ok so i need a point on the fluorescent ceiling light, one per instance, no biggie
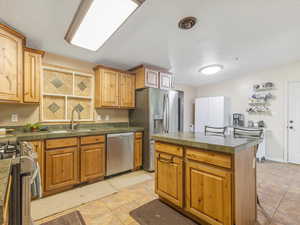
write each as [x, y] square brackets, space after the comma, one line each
[211, 69]
[101, 20]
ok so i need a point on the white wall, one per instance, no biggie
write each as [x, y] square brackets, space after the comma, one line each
[239, 90]
[189, 98]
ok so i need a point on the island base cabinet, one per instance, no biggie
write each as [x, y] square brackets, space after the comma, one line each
[169, 176]
[208, 193]
[92, 162]
[61, 168]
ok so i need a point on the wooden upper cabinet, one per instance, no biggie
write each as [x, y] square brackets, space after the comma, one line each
[148, 76]
[11, 64]
[208, 193]
[145, 77]
[107, 88]
[32, 74]
[127, 90]
[114, 88]
[151, 78]
[165, 81]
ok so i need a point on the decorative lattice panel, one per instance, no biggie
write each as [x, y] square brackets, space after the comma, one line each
[56, 82]
[53, 108]
[83, 86]
[84, 106]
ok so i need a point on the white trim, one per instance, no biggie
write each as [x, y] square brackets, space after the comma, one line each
[66, 71]
[69, 96]
[286, 116]
[287, 99]
[276, 160]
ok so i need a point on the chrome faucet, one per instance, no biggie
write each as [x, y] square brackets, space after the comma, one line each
[73, 125]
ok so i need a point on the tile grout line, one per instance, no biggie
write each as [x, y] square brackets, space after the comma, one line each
[279, 203]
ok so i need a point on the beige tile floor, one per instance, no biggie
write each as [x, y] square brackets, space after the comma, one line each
[278, 188]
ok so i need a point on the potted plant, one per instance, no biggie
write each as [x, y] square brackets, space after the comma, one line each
[33, 127]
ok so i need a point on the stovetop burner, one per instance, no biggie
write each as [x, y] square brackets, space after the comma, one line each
[9, 148]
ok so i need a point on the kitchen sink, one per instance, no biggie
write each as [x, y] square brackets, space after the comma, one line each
[59, 131]
[83, 130]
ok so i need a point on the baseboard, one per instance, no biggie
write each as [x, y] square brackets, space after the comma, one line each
[275, 160]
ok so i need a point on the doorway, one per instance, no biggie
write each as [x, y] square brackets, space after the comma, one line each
[294, 122]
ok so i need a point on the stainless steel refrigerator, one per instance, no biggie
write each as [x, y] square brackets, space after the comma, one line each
[158, 111]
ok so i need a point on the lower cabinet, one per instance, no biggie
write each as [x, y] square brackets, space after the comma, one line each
[92, 162]
[208, 193]
[138, 150]
[61, 168]
[198, 182]
[169, 178]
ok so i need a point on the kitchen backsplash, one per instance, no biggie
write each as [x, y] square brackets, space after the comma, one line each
[31, 114]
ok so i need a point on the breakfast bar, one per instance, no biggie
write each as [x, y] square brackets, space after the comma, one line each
[209, 178]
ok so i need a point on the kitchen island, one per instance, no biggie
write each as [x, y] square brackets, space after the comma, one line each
[211, 179]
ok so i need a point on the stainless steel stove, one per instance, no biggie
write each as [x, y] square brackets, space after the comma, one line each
[9, 147]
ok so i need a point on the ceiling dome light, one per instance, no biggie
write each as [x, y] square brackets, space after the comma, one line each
[211, 69]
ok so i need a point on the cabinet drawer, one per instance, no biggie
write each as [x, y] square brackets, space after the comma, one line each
[92, 139]
[138, 135]
[61, 143]
[169, 148]
[217, 159]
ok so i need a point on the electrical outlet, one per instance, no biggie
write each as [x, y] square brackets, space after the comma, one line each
[99, 117]
[107, 117]
[14, 117]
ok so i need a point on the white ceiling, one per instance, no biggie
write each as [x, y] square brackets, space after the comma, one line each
[260, 34]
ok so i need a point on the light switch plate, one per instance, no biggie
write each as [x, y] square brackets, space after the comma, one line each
[107, 117]
[14, 117]
[99, 117]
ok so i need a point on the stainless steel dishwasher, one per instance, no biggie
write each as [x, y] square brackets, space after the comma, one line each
[120, 153]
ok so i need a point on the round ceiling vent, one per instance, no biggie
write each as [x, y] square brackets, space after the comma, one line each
[187, 23]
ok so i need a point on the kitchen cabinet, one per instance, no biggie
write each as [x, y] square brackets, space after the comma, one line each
[61, 159]
[32, 74]
[208, 193]
[11, 64]
[138, 150]
[92, 158]
[114, 88]
[211, 187]
[127, 90]
[39, 149]
[165, 81]
[108, 82]
[148, 76]
[169, 178]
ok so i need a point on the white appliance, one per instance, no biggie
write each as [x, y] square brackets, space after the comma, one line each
[211, 111]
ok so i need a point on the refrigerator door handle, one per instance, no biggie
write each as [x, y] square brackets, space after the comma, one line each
[164, 115]
[168, 113]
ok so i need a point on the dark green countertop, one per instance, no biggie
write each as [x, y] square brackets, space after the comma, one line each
[226, 144]
[29, 136]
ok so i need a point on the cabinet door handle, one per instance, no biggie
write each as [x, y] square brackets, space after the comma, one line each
[165, 160]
